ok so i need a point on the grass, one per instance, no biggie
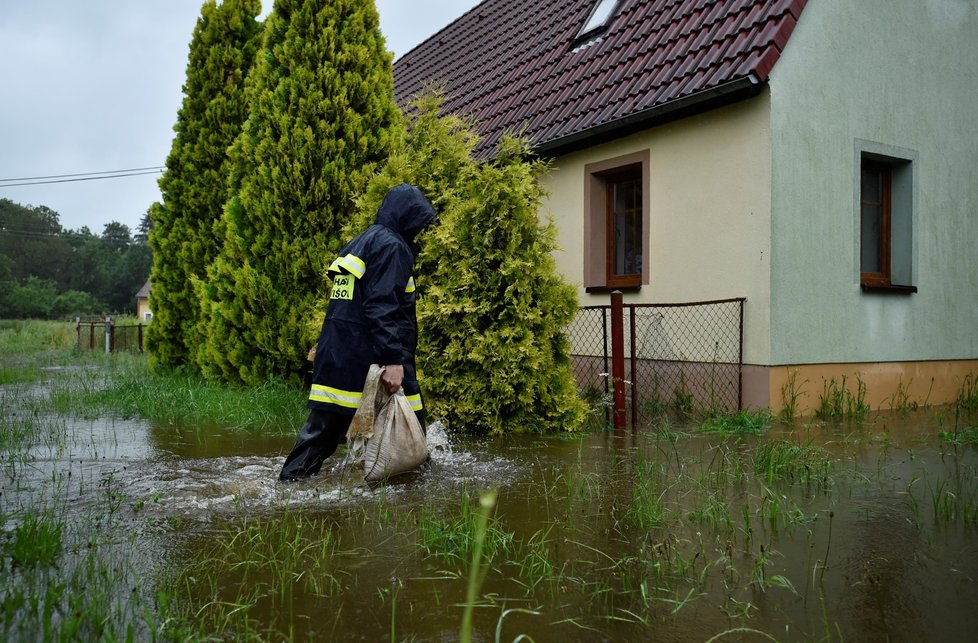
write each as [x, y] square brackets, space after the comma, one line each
[454, 531]
[71, 581]
[968, 393]
[181, 398]
[783, 460]
[92, 384]
[739, 423]
[791, 390]
[839, 402]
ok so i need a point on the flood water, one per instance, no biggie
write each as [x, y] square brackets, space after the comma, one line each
[848, 531]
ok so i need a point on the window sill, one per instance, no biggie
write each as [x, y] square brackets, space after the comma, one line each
[597, 290]
[892, 289]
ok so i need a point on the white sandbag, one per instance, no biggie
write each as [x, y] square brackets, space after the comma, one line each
[373, 398]
[395, 440]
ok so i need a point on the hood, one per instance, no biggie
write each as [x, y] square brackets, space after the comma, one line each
[405, 210]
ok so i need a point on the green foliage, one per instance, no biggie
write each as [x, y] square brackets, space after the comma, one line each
[321, 115]
[739, 423]
[492, 306]
[48, 272]
[194, 187]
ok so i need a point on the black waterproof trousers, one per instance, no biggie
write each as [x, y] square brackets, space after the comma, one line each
[317, 440]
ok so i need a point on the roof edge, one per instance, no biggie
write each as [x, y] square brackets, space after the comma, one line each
[702, 101]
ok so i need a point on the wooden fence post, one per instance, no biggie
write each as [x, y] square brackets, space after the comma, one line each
[618, 359]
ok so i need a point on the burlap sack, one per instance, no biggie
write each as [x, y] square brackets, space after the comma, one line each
[395, 440]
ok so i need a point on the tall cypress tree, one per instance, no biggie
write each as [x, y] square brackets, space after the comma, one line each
[492, 307]
[194, 186]
[321, 115]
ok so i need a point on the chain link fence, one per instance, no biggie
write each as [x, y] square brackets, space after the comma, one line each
[683, 356]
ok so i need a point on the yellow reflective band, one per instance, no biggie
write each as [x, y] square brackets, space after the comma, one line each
[328, 395]
[410, 286]
[415, 401]
[351, 264]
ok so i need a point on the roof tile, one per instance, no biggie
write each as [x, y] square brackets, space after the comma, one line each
[512, 64]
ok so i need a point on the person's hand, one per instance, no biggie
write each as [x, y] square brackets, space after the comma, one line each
[392, 377]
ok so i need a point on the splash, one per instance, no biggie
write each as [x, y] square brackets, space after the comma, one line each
[204, 488]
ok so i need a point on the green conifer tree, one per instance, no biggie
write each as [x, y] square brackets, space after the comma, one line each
[321, 115]
[492, 308]
[194, 186]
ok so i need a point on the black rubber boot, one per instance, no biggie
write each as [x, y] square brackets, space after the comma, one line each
[317, 440]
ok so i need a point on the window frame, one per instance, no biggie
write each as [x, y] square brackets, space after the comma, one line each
[899, 204]
[591, 28]
[598, 272]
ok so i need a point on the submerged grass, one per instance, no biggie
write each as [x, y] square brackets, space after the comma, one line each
[739, 423]
[782, 459]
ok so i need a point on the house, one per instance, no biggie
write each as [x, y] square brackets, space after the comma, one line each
[142, 302]
[817, 158]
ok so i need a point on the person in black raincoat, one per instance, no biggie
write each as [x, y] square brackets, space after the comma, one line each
[370, 319]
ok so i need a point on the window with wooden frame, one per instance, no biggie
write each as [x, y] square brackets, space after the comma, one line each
[885, 219]
[624, 233]
[616, 223]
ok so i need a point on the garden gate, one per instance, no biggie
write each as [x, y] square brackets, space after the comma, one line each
[685, 356]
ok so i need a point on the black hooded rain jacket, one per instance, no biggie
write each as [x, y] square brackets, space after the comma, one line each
[371, 315]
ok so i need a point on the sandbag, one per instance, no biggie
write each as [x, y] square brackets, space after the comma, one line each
[395, 441]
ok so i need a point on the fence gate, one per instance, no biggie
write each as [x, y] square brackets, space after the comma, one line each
[108, 336]
[685, 356]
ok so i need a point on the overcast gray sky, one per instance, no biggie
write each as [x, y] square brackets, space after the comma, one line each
[95, 85]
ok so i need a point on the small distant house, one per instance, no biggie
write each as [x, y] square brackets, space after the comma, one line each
[817, 158]
[142, 302]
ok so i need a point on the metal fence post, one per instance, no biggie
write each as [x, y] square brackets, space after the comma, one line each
[618, 359]
[108, 334]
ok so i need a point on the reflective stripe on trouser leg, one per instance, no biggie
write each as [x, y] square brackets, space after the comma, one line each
[339, 397]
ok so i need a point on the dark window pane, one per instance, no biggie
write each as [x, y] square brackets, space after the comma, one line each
[627, 217]
[872, 255]
[871, 183]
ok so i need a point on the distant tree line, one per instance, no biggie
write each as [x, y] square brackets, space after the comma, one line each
[48, 272]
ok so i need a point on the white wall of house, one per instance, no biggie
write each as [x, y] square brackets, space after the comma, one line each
[710, 212]
[898, 77]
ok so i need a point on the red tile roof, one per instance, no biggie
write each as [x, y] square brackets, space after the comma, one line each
[511, 64]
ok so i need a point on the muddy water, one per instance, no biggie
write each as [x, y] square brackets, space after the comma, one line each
[646, 535]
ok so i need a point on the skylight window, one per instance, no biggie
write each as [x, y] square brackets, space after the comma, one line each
[599, 17]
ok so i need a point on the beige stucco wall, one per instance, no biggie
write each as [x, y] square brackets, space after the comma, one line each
[710, 185]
